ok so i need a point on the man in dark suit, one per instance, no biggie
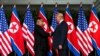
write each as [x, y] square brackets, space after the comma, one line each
[59, 36]
[41, 39]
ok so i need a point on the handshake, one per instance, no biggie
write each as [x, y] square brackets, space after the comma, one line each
[50, 33]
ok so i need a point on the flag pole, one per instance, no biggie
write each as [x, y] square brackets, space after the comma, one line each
[56, 50]
[1, 4]
[80, 4]
[67, 7]
[42, 4]
[56, 4]
[14, 7]
[67, 4]
[95, 49]
[27, 8]
[28, 5]
[57, 53]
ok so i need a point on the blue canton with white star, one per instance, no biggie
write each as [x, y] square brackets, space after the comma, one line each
[54, 22]
[82, 22]
[3, 21]
[29, 20]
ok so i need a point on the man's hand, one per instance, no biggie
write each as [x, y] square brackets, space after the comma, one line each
[50, 33]
[56, 50]
[60, 47]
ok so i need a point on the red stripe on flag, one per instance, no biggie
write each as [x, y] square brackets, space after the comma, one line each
[6, 44]
[29, 38]
[30, 49]
[83, 42]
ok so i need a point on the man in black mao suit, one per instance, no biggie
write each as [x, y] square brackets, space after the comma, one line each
[41, 39]
[59, 37]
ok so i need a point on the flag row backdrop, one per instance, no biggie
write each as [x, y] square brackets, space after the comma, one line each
[81, 38]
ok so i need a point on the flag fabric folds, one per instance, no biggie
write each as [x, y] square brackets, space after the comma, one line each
[54, 22]
[5, 41]
[80, 39]
[94, 27]
[43, 17]
[15, 32]
[46, 28]
[72, 38]
[28, 31]
[53, 26]
[84, 39]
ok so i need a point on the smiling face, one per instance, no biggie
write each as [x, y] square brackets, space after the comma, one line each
[39, 22]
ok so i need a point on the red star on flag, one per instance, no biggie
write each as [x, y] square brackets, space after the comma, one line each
[13, 27]
[93, 26]
[69, 27]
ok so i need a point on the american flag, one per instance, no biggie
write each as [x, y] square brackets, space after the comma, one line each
[54, 22]
[53, 27]
[85, 41]
[4, 36]
[28, 31]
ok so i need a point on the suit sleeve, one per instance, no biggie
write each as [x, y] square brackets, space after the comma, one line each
[42, 32]
[63, 34]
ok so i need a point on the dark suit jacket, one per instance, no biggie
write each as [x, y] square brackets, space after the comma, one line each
[41, 37]
[59, 35]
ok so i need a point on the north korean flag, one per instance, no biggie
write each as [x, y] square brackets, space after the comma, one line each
[15, 32]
